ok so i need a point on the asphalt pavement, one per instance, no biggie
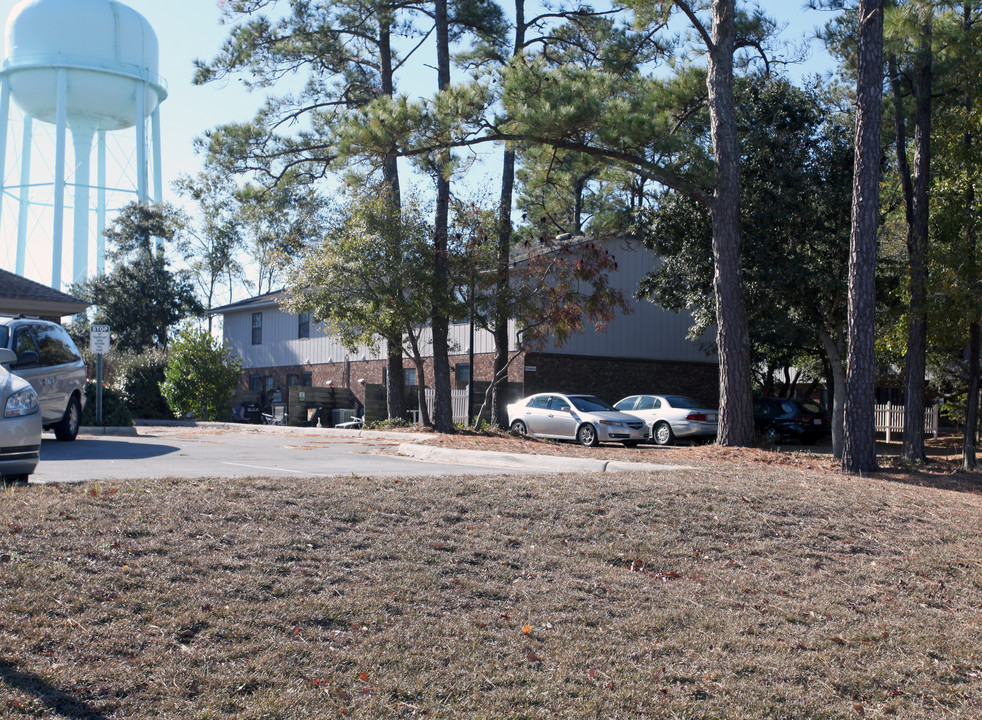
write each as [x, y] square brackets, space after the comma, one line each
[228, 450]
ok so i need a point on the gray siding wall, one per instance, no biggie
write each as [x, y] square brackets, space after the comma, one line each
[280, 345]
[650, 332]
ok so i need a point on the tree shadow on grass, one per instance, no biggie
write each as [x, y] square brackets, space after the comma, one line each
[55, 699]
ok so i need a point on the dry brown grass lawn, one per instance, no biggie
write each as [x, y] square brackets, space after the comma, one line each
[736, 591]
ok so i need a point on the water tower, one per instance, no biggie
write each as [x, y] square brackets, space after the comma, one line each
[88, 66]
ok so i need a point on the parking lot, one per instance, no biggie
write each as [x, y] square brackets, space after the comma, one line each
[188, 452]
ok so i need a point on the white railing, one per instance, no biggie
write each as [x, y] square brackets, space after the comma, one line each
[458, 398]
[890, 419]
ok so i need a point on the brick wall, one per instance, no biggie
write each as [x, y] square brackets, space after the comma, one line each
[615, 379]
[610, 379]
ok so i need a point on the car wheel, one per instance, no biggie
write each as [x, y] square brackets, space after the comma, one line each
[662, 434]
[518, 427]
[587, 435]
[67, 428]
[631, 443]
[771, 436]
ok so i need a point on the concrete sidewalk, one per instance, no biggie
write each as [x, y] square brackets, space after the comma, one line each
[147, 427]
[416, 449]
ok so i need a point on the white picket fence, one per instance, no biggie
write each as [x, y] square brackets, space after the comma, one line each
[459, 400]
[890, 419]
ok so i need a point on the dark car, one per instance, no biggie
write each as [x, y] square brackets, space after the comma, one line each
[779, 419]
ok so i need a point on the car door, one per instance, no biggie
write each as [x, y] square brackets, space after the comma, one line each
[62, 366]
[648, 409]
[30, 366]
[535, 415]
[561, 419]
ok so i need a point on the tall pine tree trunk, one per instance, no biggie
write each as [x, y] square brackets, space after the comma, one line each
[440, 322]
[917, 239]
[859, 448]
[395, 380]
[499, 393]
[969, 458]
[837, 368]
[736, 396]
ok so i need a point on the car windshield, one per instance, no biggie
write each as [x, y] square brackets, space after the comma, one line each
[591, 404]
[812, 407]
[680, 401]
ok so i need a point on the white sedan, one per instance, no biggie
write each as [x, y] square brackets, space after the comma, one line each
[584, 418]
[672, 417]
[20, 424]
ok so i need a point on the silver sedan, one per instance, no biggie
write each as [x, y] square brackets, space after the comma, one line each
[584, 418]
[20, 424]
[672, 417]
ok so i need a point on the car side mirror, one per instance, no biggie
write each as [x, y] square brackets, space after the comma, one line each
[7, 356]
[564, 408]
[28, 358]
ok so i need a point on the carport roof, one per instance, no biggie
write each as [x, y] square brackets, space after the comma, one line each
[18, 295]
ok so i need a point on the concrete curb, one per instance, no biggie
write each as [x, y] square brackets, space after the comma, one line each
[99, 430]
[149, 425]
[545, 463]
[415, 447]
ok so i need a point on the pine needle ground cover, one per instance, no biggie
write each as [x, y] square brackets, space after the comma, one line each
[741, 592]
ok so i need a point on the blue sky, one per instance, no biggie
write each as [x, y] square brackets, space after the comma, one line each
[189, 29]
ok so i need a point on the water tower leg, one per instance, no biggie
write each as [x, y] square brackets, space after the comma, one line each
[100, 210]
[25, 193]
[4, 117]
[82, 142]
[141, 144]
[158, 175]
[61, 126]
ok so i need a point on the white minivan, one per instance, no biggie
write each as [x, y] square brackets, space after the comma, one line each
[48, 359]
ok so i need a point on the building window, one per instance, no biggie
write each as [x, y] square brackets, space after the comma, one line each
[255, 382]
[257, 328]
[303, 325]
[462, 372]
[306, 379]
[292, 380]
[269, 382]
[410, 376]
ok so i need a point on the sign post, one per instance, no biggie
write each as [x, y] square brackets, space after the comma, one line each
[98, 344]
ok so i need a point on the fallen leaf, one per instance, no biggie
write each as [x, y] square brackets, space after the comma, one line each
[527, 629]
[363, 676]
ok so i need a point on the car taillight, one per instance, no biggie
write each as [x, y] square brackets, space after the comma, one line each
[699, 417]
[799, 419]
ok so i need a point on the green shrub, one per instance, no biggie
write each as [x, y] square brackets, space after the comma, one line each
[136, 377]
[115, 413]
[139, 379]
[388, 423]
[200, 376]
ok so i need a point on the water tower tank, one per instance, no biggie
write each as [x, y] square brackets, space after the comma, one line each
[110, 52]
[90, 66]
